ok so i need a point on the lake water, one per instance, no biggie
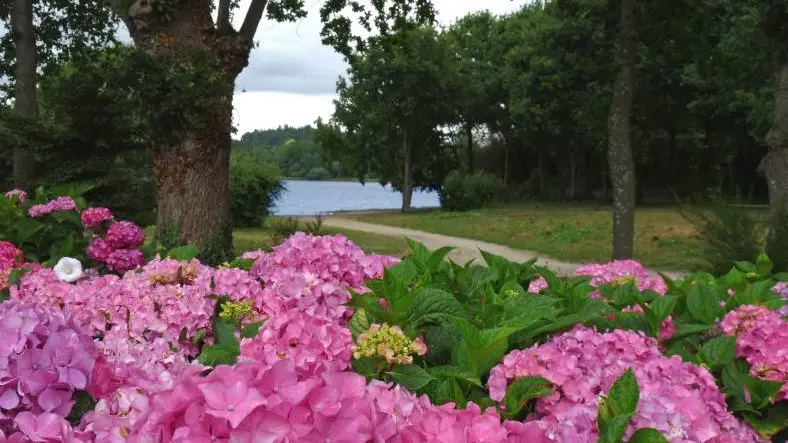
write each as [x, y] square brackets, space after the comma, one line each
[314, 197]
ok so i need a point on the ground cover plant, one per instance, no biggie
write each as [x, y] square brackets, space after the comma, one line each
[318, 341]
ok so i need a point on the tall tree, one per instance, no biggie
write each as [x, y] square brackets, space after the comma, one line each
[191, 158]
[775, 164]
[25, 103]
[43, 33]
[390, 105]
[620, 159]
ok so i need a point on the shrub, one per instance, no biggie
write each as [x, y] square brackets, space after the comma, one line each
[462, 192]
[254, 189]
[316, 340]
[728, 233]
[318, 173]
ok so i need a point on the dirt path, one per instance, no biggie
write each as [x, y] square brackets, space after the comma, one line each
[465, 249]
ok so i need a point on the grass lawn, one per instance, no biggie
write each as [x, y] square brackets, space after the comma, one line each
[573, 232]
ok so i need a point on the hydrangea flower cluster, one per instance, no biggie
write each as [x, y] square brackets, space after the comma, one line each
[21, 196]
[11, 258]
[60, 204]
[761, 336]
[246, 403]
[332, 259]
[314, 345]
[782, 289]
[118, 249]
[44, 358]
[390, 343]
[92, 217]
[621, 271]
[679, 399]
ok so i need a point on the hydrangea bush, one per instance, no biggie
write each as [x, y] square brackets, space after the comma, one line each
[317, 341]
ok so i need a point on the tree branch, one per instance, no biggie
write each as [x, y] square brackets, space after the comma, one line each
[252, 19]
[223, 19]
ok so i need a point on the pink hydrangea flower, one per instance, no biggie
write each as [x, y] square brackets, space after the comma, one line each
[124, 260]
[44, 358]
[124, 235]
[10, 255]
[761, 337]
[679, 399]
[92, 217]
[60, 204]
[622, 270]
[99, 250]
[21, 196]
[537, 286]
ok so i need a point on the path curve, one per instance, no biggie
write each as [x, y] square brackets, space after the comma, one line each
[465, 249]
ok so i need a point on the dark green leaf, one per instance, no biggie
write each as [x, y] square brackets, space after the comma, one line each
[523, 390]
[183, 253]
[250, 330]
[718, 351]
[411, 377]
[434, 306]
[648, 435]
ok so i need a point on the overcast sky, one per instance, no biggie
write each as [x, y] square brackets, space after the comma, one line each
[291, 77]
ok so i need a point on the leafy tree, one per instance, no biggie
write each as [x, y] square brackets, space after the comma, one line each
[390, 105]
[200, 59]
[41, 34]
[470, 39]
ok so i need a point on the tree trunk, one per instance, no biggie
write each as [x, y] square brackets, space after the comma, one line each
[25, 102]
[775, 164]
[506, 141]
[191, 159]
[407, 178]
[469, 134]
[542, 178]
[572, 176]
[619, 154]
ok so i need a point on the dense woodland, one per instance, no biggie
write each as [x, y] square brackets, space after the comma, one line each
[679, 94]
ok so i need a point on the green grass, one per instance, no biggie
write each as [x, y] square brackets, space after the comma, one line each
[572, 232]
[262, 238]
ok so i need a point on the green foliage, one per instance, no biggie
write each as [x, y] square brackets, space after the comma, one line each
[461, 192]
[48, 238]
[90, 132]
[318, 173]
[254, 188]
[63, 29]
[471, 316]
[226, 347]
[728, 234]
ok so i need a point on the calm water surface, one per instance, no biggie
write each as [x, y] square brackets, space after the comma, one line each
[313, 197]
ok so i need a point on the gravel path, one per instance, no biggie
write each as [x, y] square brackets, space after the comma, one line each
[465, 249]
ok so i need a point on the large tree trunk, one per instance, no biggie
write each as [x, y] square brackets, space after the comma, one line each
[775, 164]
[471, 160]
[619, 153]
[25, 102]
[191, 160]
[407, 173]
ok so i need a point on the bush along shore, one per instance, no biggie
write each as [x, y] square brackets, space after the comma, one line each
[104, 338]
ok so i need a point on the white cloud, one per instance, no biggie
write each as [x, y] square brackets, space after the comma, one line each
[291, 76]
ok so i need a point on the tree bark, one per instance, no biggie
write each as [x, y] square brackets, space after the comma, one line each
[191, 162]
[775, 164]
[407, 176]
[572, 176]
[471, 160]
[25, 101]
[619, 153]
